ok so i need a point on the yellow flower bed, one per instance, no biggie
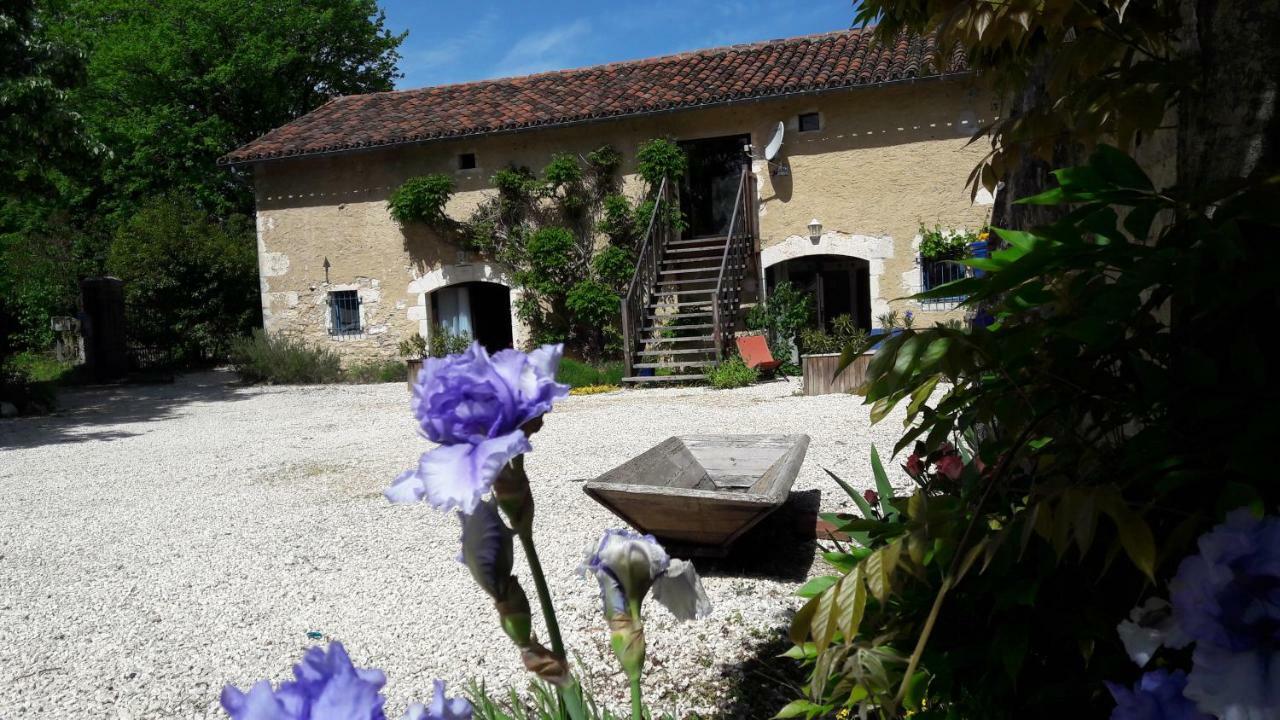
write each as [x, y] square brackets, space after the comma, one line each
[592, 389]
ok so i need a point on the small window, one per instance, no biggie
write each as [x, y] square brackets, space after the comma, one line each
[467, 161]
[810, 122]
[344, 312]
[935, 273]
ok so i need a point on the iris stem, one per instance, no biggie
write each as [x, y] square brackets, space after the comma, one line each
[637, 704]
[544, 594]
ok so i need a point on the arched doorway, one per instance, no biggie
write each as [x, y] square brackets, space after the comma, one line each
[839, 285]
[479, 309]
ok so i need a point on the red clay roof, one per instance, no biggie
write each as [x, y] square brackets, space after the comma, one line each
[688, 80]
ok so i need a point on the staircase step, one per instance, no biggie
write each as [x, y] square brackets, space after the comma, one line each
[690, 271]
[663, 378]
[673, 328]
[678, 315]
[717, 241]
[714, 262]
[689, 303]
[702, 251]
[691, 363]
[661, 353]
[651, 340]
[684, 282]
[708, 291]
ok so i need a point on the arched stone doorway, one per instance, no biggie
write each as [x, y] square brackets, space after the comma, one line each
[481, 310]
[477, 297]
[844, 273]
[838, 285]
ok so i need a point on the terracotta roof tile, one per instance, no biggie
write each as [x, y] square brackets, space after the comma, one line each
[740, 72]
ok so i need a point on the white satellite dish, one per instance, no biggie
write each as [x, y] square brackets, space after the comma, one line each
[775, 142]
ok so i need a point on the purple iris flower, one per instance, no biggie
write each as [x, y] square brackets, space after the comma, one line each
[441, 708]
[326, 687]
[477, 407]
[1157, 696]
[627, 565]
[1227, 600]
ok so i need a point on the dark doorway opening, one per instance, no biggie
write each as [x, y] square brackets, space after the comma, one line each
[479, 309]
[839, 285]
[710, 186]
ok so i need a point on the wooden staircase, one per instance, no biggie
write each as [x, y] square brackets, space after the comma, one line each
[682, 306]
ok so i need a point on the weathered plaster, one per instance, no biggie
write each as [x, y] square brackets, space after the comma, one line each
[885, 161]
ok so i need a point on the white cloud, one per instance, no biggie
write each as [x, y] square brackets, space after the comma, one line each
[550, 49]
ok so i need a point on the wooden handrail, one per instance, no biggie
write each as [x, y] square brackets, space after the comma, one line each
[727, 297]
[648, 260]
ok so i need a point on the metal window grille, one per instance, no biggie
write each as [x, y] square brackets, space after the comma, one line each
[344, 312]
[936, 273]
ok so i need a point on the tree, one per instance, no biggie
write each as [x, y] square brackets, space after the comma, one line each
[173, 86]
[190, 281]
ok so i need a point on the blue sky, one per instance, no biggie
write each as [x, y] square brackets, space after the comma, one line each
[460, 41]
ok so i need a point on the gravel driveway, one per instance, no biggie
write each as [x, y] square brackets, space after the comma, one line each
[157, 542]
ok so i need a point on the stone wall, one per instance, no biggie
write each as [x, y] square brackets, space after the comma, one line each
[885, 160]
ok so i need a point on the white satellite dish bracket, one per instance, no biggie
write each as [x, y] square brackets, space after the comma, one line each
[771, 151]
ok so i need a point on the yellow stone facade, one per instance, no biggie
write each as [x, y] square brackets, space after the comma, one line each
[886, 160]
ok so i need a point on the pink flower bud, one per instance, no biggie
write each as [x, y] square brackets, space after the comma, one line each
[871, 496]
[914, 466]
[950, 467]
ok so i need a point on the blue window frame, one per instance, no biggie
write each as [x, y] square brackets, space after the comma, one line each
[936, 273]
[344, 312]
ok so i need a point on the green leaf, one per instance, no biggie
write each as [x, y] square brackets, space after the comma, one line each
[823, 624]
[916, 686]
[797, 708]
[1135, 535]
[854, 495]
[852, 601]
[879, 567]
[883, 486]
[817, 586]
[799, 631]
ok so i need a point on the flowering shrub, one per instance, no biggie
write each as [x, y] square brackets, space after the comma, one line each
[1063, 458]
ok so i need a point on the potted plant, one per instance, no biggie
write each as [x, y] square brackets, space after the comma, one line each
[413, 349]
[821, 357]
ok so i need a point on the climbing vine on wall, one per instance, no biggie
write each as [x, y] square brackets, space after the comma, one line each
[569, 232]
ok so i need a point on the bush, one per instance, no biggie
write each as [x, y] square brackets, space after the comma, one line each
[782, 316]
[276, 360]
[413, 347]
[845, 336]
[732, 373]
[576, 373]
[421, 199]
[29, 382]
[377, 371]
[446, 342]
[660, 159]
[190, 283]
[615, 266]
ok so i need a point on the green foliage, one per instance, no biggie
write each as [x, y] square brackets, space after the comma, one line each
[576, 373]
[172, 86]
[277, 360]
[40, 133]
[787, 311]
[421, 199]
[413, 347]
[845, 335]
[553, 256]
[1063, 457]
[190, 282]
[939, 244]
[445, 342]
[615, 266]
[593, 304]
[732, 373]
[540, 703]
[563, 170]
[618, 221]
[376, 371]
[660, 159]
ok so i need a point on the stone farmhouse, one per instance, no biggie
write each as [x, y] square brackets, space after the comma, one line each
[875, 144]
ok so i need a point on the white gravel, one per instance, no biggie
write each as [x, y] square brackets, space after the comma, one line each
[158, 542]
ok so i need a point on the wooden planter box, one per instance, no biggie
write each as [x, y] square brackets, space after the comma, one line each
[699, 493]
[820, 373]
[414, 367]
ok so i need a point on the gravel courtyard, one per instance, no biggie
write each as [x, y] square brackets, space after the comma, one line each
[157, 542]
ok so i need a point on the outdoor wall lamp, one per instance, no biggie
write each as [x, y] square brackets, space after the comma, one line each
[815, 229]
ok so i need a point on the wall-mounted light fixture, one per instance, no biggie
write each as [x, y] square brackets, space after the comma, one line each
[815, 229]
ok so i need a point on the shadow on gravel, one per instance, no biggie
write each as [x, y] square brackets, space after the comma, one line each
[781, 547]
[87, 414]
[762, 683]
